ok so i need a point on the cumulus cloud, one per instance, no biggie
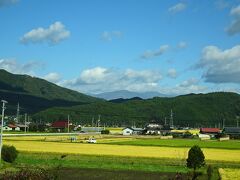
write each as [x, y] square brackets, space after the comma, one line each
[13, 66]
[101, 79]
[220, 66]
[7, 2]
[172, 73]
[54, 34]
[154, 53]
[53, 77]
[109, 35]
[177, 8]
[234, 28]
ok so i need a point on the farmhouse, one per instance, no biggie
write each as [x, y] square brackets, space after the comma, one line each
[153, 128]
[131, 131]
[60, 126]
[232, 131]
[11, 127]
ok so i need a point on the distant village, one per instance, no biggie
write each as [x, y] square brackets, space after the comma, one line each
[20, 123]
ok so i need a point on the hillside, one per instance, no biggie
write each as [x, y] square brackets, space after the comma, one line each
[193, 109]
[35, 94]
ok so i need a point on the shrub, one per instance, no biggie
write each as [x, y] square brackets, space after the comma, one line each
[9, 153]
[106, 131]
[196, 158]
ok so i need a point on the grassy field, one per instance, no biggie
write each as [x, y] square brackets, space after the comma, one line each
[232, 144]
[229, 174]
[119, 150]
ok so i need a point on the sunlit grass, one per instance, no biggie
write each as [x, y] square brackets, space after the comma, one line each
[119, 150]
[229, 174]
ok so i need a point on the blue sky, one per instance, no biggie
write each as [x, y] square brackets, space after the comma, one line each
[173, 47]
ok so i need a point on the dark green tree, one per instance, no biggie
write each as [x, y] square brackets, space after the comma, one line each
[196, 158]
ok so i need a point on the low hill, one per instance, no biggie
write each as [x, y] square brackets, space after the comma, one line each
[35, 94]
[193, 110]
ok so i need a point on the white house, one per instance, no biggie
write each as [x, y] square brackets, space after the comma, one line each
[130, 131]
[127, 131]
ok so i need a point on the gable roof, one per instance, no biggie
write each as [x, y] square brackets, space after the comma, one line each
[209, 130]
[12, 126]
[133, 129]
[60, 124]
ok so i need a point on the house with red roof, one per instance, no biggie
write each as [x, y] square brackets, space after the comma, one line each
[213, 131]
[60, 125]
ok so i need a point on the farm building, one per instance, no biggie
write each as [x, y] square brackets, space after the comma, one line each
[153, 128]
[213, 131]
[156, 128]
[60, 125]
[131, 131]
[232, 131]
[11, 127]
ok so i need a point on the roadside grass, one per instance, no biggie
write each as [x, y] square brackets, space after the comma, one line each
[231, 144]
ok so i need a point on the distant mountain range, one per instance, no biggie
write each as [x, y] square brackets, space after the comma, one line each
[124, 94]
[49, 102]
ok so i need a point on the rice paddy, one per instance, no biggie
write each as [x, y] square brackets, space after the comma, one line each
[229, 174]
[119, 150]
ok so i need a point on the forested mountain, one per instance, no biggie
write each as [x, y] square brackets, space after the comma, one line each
[193, 109]
[35, 94]
[49, 102]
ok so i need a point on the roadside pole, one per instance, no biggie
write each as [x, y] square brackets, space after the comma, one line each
[3, 109]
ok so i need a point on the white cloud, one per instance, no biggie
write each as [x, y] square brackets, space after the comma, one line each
[101, 79]
[54, 34]
[109, 35]
[177, 8]
[172, 73]
[13, 66]
[53, 77]
[220, 66]
[7, 2]
[182, 45]
[188, 83]
[151, 54]
[234, 27]
[235, 11]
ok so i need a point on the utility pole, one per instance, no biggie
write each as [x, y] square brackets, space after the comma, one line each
[68, 123]
[171, 119]
[99, 119]
[18, 110]
[3, 109]
[25, 125]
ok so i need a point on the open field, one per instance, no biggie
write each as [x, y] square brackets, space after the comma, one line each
[231, 144]
[229, 174]
[119, 150]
